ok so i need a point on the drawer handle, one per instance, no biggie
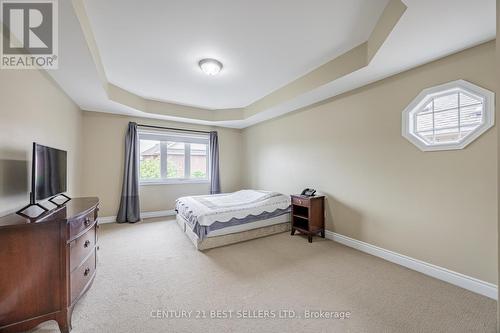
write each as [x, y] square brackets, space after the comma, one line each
[87, 271]
[87, 243]
[87, 221]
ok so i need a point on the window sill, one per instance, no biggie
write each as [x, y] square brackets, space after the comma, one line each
[174, 182]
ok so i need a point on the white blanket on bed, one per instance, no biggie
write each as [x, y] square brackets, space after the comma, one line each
[208, 209]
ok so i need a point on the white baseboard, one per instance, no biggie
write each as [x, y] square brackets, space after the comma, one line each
[144, 215]
[475, 285]
[160, 213]
[107, 219]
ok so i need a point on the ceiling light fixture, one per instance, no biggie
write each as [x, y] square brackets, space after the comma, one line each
[210, 66]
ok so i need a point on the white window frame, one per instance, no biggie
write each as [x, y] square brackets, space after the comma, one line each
[426, 95]
[184, 137]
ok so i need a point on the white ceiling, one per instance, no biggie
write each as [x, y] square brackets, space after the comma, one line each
[428, 30]
[152, 48]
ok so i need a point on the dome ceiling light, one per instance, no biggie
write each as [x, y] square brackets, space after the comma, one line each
[210, 66]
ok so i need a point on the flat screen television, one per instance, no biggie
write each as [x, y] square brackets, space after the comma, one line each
[49, 173]
[48, 179]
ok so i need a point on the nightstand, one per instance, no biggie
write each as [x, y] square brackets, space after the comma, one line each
[308, 215]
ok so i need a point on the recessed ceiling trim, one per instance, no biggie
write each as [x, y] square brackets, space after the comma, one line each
[84, 21]
[347, 63]
[342, 65]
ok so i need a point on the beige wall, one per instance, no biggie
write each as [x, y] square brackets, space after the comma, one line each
[33, 108]
[440, 207]
[104, 155]
[498, 137]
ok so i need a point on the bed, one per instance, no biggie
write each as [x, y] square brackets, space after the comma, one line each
[216, 220]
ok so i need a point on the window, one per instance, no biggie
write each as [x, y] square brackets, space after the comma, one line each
[449, 116]
[171, 157]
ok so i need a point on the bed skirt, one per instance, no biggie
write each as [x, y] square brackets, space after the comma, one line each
[217, 241]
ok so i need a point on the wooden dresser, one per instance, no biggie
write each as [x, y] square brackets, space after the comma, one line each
[46, 265]
[308, 215]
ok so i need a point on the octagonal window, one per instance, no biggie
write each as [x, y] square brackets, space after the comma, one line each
[448, 116]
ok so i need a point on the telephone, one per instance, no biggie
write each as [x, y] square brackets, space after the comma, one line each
[309, 192]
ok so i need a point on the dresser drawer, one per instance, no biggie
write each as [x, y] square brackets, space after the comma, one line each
[78, 225]
[81, 247]
[81, 276]
[300, 202]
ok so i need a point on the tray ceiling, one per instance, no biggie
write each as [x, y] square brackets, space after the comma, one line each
[127, 57]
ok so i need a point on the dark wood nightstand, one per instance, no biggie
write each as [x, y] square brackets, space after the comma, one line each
[308, 215]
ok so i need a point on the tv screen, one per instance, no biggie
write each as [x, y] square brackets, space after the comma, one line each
[49, 167]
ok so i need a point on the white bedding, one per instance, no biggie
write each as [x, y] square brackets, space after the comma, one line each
[209, 209]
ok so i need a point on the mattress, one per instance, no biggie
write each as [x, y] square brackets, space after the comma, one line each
[241, 227]
[232, 238]
[233, 212]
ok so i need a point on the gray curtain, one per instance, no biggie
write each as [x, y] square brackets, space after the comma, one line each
[129, 205]
[214, 164]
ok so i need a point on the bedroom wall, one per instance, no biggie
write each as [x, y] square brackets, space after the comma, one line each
[104, 155]
[439, 207]
[498, 139]
[34, 108]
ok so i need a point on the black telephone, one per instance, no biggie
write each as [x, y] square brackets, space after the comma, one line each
[309, 192]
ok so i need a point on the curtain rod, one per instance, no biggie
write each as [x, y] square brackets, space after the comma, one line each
[173, 129]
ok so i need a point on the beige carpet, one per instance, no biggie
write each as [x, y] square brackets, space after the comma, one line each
[151, 266]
